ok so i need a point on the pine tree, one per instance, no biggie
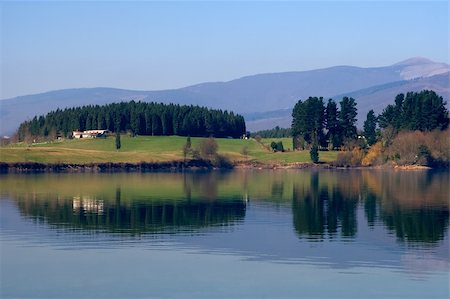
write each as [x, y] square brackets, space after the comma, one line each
[332, 125]
[347, 118]
[370, 126]
[314, 153]
[118, 145]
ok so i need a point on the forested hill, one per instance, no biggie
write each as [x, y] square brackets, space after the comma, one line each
[138, 118]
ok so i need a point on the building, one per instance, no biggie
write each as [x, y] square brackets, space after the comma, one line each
[90, 134]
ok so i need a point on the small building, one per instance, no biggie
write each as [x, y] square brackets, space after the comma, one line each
[90, 134]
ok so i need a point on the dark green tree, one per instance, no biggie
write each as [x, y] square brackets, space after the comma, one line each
[308, 120]
[332, 125]
[314, 153]
[370, 126]
[118, 144]
[347, 118]
[423, 111]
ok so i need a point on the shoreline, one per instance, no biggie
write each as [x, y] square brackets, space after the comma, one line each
[175, 166]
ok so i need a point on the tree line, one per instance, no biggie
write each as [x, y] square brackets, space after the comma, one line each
[276, 132]
[139, 118]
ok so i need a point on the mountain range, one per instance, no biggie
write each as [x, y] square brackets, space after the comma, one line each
[265, 100]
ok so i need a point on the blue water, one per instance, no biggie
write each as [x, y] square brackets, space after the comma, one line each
[289, 234]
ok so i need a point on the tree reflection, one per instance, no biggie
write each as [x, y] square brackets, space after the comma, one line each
[412, 205]
[136, 217]
[320, 209]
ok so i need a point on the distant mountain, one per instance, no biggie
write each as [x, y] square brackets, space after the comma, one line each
[265, 99]
[375, 97]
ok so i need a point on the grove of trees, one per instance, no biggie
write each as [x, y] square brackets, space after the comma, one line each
[139, 118]
[423, 111]
[410, 131]
[313, 124]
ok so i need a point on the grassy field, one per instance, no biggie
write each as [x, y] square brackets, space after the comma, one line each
[148, 149]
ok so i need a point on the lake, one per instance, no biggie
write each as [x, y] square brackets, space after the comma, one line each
[235, 234]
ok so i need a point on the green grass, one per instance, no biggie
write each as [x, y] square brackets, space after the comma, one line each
[149, 149]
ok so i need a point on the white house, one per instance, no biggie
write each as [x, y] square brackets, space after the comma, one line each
[90, 134]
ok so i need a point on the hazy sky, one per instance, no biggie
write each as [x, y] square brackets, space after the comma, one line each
[160, 45]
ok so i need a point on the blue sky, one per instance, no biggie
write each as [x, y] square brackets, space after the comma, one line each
[160, 45]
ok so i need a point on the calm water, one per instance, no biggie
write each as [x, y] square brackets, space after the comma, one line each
[241, 234]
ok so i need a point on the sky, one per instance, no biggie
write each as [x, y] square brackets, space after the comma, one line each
[151, 45]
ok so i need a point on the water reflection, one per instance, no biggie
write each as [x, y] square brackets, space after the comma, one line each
[134, 217]
[324, 204]
[414, 209]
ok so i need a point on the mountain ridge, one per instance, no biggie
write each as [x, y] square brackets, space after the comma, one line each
[249, 94]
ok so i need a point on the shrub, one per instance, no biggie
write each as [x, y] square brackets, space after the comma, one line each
[374, 155]
[423, 156]
[404, 148]
[280, 147]
[349, 158]
[343, 159]
[208, 149]
[277, 146]
[273, 146]
[357, 156]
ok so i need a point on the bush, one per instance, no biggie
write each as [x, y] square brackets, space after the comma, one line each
[420, 148]
[277, 146]
[349, 158]
[374, 155]
[273, 146]
[343, 159]
[221, 162]
[357, 156]
[280, 147]
[208, 149]
[424, 156]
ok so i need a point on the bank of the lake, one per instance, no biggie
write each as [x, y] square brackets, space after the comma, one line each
[155, 153]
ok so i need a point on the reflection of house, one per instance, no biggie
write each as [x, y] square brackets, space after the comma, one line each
[88, 205]
[90, 134]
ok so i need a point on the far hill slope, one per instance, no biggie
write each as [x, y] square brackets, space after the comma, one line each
[251, 94]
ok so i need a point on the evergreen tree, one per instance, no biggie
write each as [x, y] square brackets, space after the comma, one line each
[118, 145]
[332, 125]
[307, 120]
[314, 153]
[347, 118]
[370, 125]
[423, 111]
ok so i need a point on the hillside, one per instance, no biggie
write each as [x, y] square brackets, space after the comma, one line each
[372, 87]
[148, 149]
